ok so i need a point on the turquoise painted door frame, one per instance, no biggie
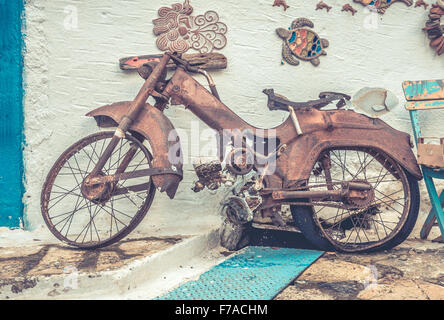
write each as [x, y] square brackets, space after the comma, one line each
[11, 113]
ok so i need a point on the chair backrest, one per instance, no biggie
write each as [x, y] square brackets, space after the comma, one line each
[424, 95]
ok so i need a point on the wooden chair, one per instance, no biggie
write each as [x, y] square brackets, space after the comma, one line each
[428, 95]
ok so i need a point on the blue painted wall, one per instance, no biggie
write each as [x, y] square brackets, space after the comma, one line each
[11, 113]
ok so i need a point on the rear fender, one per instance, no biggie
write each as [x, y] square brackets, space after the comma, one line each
[154, 126]
[298, 160]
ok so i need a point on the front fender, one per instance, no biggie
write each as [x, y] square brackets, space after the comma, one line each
[157, 129]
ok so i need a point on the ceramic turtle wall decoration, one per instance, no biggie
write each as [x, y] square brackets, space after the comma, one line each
[301, 43]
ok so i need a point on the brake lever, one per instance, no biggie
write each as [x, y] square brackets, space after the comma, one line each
[183, 63]
[186, 65]
[177, 59]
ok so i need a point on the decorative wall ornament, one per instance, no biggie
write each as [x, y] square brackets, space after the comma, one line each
[348, 7]
[435, 27]
[382, 5]
[422, 3]
[205, 61]
[178, 31]
[322, 5]
[279, 3]
[301, 43]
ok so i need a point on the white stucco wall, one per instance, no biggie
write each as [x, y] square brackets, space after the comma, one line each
[69, 72]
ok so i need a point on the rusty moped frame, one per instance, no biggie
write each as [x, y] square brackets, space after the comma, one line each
[310, 161]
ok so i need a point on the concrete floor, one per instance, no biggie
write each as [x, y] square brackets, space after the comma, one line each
[408, 273]
[130, 269]
[35, 265]
[412, 271]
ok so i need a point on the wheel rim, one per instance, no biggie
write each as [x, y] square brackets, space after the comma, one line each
[88, 223]
[378, 221]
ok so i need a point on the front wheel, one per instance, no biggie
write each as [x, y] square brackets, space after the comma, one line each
[383, 222]
[94, 217]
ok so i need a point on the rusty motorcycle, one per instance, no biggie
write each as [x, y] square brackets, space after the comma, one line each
[347, 181]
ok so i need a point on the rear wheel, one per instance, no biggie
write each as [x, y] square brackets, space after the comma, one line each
[381, 223]
[70, 209]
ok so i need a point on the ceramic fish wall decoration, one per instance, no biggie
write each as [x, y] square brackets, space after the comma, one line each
[301, 43]
[178, 31]
[382, 5]
[281, 3]
[421, 3]
[322, 5]
[435, 27]
[349, 8]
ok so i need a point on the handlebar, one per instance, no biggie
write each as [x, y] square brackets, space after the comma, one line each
[186, 65]
[181, 62]
[144, 93]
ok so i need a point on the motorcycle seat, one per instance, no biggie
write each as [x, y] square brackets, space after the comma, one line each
[279, 102]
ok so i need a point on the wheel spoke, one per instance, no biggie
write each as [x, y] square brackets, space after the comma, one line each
[359, 229]
[97, 217]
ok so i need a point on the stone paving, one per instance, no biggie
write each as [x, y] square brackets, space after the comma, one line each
[413, 271]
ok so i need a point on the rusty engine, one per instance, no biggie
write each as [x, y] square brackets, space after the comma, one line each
[241, 197]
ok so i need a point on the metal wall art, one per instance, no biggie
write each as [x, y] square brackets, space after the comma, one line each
[279, 3]
[421, 3]
[382, 5]
[301, 43]
[178, 31]
[435, 27]
[322, 5]
[349, 8]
